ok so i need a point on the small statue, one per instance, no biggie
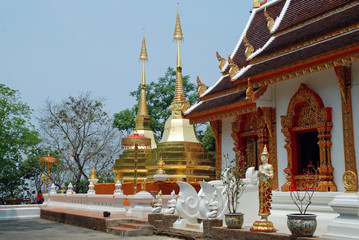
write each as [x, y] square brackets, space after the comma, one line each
[143, 185]
[93, 173]
[91, 188]
[93, 177]
[53, 189]
[69, 189]
[118, 190]
[213, 207]
[171, 204]
[157, 205]
[201, 86]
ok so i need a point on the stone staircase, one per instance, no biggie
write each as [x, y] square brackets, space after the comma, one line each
[129, 227]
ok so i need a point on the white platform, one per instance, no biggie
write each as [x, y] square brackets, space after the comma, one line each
[10, 212]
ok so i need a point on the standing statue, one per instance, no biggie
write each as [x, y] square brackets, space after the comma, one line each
[265, 195]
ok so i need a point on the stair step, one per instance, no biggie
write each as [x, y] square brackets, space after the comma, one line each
[135, 225]
[124, 231]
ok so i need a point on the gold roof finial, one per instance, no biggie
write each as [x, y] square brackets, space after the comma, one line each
[221, 60]
[249, 47]
[178, 30]
[143, 54]
[270, 20]
[233, 68]
[160, 166]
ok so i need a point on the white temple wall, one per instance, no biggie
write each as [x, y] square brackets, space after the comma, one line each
[325, 84]
[227, 140]
[355, 105]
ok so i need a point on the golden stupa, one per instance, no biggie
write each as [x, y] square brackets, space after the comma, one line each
[182, 155]
[123, 167]
[179, 148]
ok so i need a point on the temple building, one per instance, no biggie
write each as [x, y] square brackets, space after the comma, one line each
[291, 83]
[123, 167]
[179, 148]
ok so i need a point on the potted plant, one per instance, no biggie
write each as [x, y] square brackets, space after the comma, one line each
[304, 224]
[233, 189]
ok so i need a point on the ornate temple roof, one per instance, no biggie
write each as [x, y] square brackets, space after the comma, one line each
[315, 32]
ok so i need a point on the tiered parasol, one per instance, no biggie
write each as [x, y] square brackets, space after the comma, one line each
[48, 160]
[136, 141]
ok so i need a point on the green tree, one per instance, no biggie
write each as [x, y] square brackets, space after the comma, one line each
[209, 142]
[159, 96]
[18, 138]
[82, 134]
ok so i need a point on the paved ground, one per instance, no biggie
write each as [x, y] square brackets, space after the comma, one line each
[36, 228]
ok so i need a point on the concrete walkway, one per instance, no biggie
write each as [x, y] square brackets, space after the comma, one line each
[36, 228]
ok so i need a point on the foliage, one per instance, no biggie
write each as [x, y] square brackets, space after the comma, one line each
[82, 134]
[209, 142]
[303, 199]
[124, 120]
[232, 181]
[159, 96]
[18, 138]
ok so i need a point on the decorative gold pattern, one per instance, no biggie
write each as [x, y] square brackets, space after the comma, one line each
[328, 13]
[307, 112]
[222, 61]
[217, 133]
[233, 68]
[317, 63]
[263, 226]
[201, 86]
[270, 20]
[344, 81]
[249, 48]
[350, 181]
[233, 109]
[93, 173]
[160, 166]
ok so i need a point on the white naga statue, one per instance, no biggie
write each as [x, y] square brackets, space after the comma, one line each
[171, 204]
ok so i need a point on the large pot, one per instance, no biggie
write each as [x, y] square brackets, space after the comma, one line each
[302, 225]
[234, 220]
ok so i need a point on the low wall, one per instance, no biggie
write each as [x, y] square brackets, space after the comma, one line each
[10, 212]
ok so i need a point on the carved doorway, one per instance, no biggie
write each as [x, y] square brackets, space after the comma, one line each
[250, 132]
[307, 128]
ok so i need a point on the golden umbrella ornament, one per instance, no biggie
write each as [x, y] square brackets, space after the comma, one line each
[136, 141]
[48, 160]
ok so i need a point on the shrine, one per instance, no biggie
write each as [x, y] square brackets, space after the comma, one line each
[290, 83]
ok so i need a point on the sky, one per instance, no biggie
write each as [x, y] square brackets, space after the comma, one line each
[53, 49]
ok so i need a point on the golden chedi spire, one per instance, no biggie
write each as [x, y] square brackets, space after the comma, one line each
[142, 119]
[179, 104]
[142, 108]
[181, 130]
